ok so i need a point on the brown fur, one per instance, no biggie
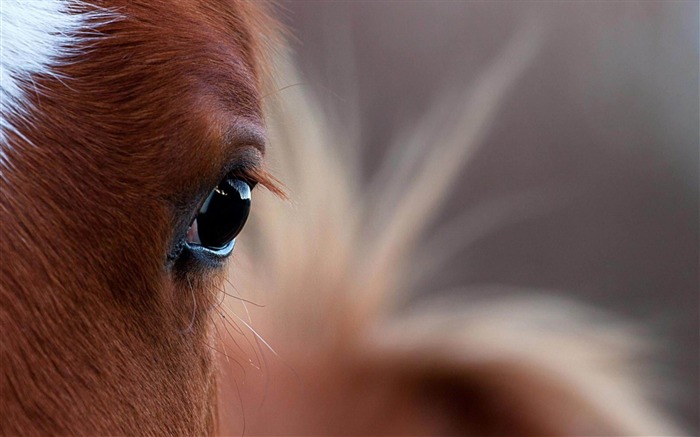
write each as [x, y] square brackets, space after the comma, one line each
[99, 336]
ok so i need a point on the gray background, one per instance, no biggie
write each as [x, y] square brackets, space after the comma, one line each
[608, 117]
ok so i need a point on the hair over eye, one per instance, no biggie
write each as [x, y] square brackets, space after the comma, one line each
[222, 216]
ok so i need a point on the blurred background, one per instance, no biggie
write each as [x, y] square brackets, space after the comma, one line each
[602, 131]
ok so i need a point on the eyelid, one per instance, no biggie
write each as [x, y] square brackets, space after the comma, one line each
[247, 147]
[249, 156]
[245, 164]
[245, 135]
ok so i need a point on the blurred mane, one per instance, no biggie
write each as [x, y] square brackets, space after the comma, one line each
[334, 344]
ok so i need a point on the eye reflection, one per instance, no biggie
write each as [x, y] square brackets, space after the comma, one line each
[222, 216]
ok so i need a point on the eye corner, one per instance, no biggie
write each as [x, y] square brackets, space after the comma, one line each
[176, 252]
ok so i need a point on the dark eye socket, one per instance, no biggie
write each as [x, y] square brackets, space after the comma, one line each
[222, 217]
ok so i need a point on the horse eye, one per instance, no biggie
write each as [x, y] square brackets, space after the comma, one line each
[221, 217]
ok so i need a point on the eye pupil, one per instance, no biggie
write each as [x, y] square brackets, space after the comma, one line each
[223, 215]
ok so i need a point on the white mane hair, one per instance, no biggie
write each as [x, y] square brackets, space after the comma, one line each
[35, 37]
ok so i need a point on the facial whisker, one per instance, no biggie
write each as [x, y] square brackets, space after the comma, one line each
[222, 290]
[231, 323]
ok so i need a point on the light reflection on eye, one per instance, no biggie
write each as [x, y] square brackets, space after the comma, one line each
[222, 216]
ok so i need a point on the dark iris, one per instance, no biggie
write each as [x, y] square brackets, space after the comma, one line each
[222, 216]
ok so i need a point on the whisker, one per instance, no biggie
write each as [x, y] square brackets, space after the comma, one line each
[257, 305]
[220, 309]
[240, 401]
[255, 333]
[250, 321]
[221, 340]
[243, 301]
[258, 364]
[257, 357]
[223, 319]
[224, 354]
[227, 356]
[233, 325]
[257, 342]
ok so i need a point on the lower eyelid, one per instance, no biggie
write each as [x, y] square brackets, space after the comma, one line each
[216, 254]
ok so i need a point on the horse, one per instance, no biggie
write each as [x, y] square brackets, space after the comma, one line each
[109, 265]
[133, 140]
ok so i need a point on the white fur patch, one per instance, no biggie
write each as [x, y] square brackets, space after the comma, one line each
[35, 35]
